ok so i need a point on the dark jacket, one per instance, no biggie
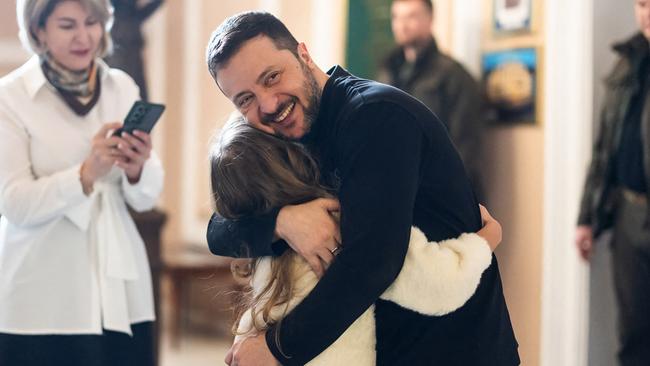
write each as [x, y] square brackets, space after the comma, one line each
[448, 90]
[624, 82]
[395, 167]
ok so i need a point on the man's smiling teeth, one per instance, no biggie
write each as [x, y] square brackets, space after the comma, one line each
[285, 113]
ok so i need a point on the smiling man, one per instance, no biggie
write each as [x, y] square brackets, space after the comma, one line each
[292, 108]
[393, 166]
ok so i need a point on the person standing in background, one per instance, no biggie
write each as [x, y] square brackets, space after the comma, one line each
[419, 68]
[618, 186]
[128, 39]
[75, 282]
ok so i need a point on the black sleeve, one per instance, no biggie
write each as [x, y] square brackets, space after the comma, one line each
[249, 237]
[380, 152]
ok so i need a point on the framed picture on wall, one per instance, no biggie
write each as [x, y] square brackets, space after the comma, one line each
[512, 15]
[510, 81]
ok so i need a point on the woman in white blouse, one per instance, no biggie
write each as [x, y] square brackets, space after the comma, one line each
[75, 285]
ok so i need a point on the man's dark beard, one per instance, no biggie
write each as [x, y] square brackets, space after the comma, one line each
[313, 93]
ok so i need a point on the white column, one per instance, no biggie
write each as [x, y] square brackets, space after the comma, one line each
[192, 229]
[329, 23]
[567, 134]
[155, 61]
[466, 34]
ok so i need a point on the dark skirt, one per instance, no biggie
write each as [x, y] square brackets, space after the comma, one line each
[108, 349]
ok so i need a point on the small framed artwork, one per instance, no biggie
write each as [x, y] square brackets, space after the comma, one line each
[512, 15]
[510, 81]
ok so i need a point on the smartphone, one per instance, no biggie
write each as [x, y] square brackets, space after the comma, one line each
[142, 116]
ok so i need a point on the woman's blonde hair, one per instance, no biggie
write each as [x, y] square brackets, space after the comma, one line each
[32, 15]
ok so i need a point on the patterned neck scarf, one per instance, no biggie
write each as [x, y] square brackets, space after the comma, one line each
[74, 86]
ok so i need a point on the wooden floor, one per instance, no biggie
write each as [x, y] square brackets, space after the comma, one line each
[196, 346]
[194, 350]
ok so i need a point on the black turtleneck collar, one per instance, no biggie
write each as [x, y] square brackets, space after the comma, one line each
[330, 103]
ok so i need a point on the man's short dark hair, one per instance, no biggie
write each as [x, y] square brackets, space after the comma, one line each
[427, 3]
[230, 35]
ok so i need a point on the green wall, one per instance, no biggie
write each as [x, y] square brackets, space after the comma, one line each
[369, 37]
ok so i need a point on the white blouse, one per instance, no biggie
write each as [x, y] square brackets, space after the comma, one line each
[69, 263]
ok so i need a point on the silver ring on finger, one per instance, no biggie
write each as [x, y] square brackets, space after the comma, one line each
[335, 251]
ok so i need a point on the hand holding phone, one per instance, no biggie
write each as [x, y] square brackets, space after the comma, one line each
[142, 116]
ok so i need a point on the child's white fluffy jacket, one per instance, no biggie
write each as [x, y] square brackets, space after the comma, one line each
[436, 279]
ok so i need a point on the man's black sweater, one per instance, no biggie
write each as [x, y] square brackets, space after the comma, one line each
[395, 167]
